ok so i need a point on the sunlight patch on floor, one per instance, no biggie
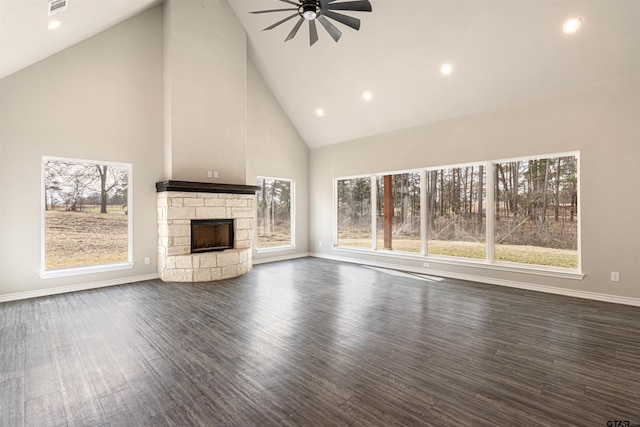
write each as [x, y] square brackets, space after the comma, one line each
[416, 276]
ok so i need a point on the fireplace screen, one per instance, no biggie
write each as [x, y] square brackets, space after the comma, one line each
[211, 235]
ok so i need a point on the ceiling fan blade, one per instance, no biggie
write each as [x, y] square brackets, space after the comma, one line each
[313, 32]
[290, 2]
[358, 6]
[271, 27]
[272, 10]
[295, 29]
[323, 3]
[333, 31]
[344, 19]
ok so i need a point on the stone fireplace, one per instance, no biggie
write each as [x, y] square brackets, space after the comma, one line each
[223, 216]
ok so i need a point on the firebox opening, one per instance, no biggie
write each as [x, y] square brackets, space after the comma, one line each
[209, 235]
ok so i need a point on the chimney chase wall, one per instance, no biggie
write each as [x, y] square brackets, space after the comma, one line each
[205, 99]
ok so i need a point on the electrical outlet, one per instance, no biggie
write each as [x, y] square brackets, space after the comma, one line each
[209, 174]
[215, 174]
[319, 244]
[615, 276]
[147, 260]
[426, 264]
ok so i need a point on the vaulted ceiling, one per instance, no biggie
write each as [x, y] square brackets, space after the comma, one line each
[25, 38]
[503, 52]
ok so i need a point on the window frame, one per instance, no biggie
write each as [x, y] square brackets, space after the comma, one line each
[98, 268]
[492, 164]
[373, 201]
[488, 195]
[292, 218]
[489, 262]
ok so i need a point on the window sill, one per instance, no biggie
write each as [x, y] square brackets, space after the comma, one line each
[563, 273]
[66, 272]
[275, 248]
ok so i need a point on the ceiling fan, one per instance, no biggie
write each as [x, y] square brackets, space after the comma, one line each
[320, 10]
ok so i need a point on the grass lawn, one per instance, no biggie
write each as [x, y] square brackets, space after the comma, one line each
[509, 253]
[81, 239]
[281, 236]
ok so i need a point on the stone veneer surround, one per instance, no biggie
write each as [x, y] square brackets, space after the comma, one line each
[176, 209]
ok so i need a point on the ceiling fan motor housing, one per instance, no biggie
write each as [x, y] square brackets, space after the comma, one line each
[310, 9]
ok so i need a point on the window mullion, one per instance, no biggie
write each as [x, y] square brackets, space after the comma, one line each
[490, 211]
[335, 212]
[424, 212]
[374, 212]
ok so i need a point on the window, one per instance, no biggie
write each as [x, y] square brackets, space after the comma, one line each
[402, 225]
[522, 211]
[354, 212]
[86, 214]
[456, 217]
[275, 213]
[536, 211]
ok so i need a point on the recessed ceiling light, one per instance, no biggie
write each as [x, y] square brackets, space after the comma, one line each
[367, 96]
[320, 112]
[54, 24]
[446, 69]
[571, 25]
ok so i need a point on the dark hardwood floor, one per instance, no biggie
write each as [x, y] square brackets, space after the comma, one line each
[315, 342]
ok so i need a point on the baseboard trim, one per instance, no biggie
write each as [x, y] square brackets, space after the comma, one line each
[280, 258]
[73, 288]
[490, 280]
[451, 275]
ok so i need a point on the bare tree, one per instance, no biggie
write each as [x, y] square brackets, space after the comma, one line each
[109, 181]
[78, 180]
[52, 183]
[545, 187]
[479, 197]
[556, 208]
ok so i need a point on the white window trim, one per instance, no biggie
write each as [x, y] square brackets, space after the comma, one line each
[374, 197]
[489, 262]
[374, 211]
[533, 269]
[275, 248]
[99, 268]
[292, 219]
[77, 271]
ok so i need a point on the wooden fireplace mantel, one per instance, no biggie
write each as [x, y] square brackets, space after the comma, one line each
[205, 187]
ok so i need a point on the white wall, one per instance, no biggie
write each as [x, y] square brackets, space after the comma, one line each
[206, 92]
[103, 99]
[601, 121]
[100, 99]
[275, 149]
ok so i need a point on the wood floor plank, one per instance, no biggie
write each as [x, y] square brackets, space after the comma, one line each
[464, 410]
[47, 410]
[12, 352]
[176, 382]
[177, 416]
[317, 342]
[41, 378]
[122, 408]
[80, 400]
[228, 398]
[101, 369]
[131, 363]
[151, 395]
[12, 402]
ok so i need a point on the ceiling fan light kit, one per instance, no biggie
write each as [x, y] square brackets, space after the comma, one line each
[320, 10]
